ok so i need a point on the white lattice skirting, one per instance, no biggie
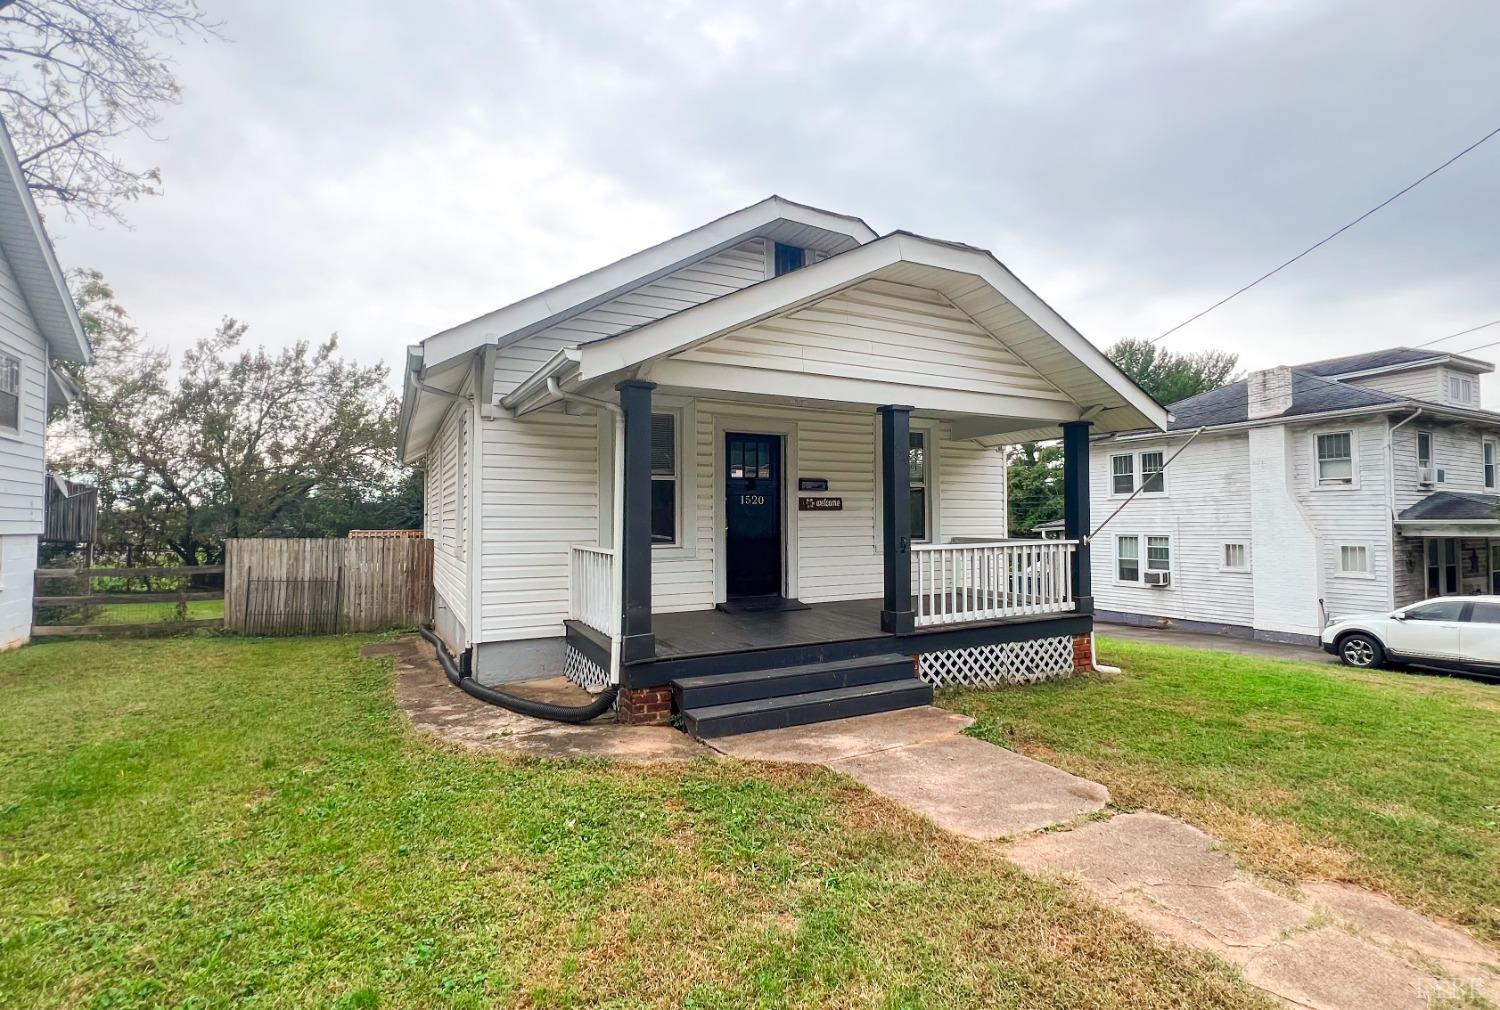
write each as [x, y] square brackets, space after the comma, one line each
[992, 665]
[583, 671]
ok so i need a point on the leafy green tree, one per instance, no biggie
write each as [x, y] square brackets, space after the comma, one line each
[238, 442]
[1169, 376]
[1034, 476]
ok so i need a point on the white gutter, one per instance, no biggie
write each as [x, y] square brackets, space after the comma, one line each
[617, 506]
[563, 361]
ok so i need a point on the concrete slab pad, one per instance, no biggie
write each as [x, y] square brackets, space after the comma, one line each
[1236, 914]
[1383, 919]
[826, 742]
[1327, 969]
[437, 707]
[975, 789]
[1130, 851]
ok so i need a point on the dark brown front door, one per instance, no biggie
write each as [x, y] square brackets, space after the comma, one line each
[752, 514]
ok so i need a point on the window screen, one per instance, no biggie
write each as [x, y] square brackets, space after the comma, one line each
[1122, 474]
[1128, 558]
[1159, 554]
[1335, 458]
[1153, 480]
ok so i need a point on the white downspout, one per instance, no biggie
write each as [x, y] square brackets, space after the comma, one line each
[1390, 493]
[617, 506]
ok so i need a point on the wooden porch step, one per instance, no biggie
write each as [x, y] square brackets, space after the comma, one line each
[727, 688]
[801, 709]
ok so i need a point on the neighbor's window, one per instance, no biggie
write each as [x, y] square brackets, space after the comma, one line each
[10, 393]
[1128, 558]
[1354, 559]
[1489, 463]
[918, 479]
[1159, 554]
[1122, 474]
[1460, 388]
[789, 258]
[1335, 458]
[1236, 557]
[1424, 448]
[663, 478]
[1153, 473]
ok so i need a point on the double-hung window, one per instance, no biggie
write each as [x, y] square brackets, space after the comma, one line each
[10, 394]
[664, 479]
[918, 479]
[1460, 389]
[1122, 473]
[1236, 558]
[1128, 558]
[1335, 458]
[1153, 473]
[1490, 450]
[1158, 554]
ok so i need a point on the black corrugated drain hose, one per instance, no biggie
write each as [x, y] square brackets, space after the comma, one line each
[464, 681]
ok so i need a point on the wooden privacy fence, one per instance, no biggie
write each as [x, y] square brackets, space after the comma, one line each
[313, 587]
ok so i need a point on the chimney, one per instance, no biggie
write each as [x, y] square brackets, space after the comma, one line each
[1270, 392]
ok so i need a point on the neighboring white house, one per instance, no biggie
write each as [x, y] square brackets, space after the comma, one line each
[791, 427]
[38, 325]
[1351, 485]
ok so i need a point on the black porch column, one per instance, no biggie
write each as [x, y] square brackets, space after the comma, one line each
[1076, 507]
[895, 495]
[633, 552]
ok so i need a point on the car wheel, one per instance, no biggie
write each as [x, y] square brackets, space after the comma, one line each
[1360, 650]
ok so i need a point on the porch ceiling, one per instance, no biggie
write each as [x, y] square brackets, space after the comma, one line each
[1089, 384]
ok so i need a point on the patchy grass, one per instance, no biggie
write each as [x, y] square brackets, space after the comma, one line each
[1307, 770]
[221, 822]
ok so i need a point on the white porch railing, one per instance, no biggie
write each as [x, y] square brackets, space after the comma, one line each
[981, 582]
[591, 588]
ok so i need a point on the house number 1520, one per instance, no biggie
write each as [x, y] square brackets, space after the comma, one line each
[752, 499]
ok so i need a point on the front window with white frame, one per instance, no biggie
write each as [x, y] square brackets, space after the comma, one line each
[665, 479]
[1158, 554]
[10, 394]
[1354, 560]
[1153, 472]
[1335, 458]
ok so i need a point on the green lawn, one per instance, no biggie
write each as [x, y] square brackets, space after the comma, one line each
[152, 613]
[1386, 779]
[217, 822]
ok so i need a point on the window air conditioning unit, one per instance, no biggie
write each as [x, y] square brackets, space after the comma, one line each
[1158, 578]
[1426, 476]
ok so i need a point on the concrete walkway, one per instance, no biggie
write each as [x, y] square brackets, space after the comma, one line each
[1325, 947]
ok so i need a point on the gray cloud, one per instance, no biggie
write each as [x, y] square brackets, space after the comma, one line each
[386, 171]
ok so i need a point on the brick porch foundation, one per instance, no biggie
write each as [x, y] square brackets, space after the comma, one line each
[644, 706]
[1083, 653]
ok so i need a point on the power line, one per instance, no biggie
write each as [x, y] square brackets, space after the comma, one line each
[1471, 329]
[1323, 241]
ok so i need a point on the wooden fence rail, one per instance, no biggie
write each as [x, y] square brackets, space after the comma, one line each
[279, 587]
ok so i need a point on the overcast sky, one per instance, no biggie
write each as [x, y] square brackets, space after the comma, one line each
[386, 170]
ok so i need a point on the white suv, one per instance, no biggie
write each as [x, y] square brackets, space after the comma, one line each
[1460, 633]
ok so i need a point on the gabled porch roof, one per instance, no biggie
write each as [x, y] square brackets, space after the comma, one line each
[972, 279]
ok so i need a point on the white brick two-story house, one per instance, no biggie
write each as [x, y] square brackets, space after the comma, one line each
[1302, 493]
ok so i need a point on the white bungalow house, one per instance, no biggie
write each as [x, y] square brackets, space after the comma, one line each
[753, 473]
[38, 326]
[1352, 485]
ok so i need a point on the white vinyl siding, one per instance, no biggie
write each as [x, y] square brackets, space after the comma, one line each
[881, 331]
[1212, 475]
[716, 275]
[1417, 383]
[446, 493]
[22, 466]
[1458, 449]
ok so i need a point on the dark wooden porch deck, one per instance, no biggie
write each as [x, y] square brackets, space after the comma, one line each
[705, 632]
